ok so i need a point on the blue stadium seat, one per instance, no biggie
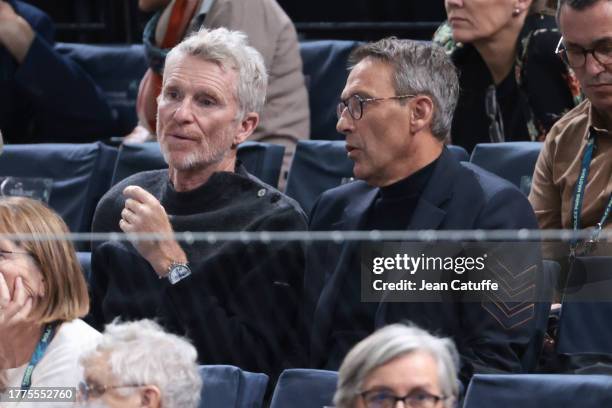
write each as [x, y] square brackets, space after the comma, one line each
[319, 165]
[117, 70]
[84, 259]
[539, 391]
[325, 71]
[263, 160]
[459, 152]
[230, 387]
[584, 326]
[81, 174]
[513, 161]
[304, 388]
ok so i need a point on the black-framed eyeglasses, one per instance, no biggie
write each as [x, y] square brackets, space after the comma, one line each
[88, 391]
[575, 57]
[385, 399]
[355, 104]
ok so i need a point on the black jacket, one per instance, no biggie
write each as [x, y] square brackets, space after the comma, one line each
[457, 197]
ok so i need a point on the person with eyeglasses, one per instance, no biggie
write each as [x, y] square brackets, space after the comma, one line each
[399, 363]
[43, 296]
[512, 86]
[396, 111]
[572, 181]
[136, 364]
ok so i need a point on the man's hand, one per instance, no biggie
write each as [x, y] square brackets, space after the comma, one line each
[143, 213]
[16, 35]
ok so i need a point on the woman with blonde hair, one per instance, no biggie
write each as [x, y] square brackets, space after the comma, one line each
[43, 295]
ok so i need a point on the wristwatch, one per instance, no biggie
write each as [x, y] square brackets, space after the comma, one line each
[178, 271]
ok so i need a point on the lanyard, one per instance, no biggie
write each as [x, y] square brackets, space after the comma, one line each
[38, 354]
[579, 193]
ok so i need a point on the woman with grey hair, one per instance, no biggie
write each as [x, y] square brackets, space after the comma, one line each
[399, 363]
[137, 364]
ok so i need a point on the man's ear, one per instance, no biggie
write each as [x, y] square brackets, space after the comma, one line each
[150, 397]
[246, 128]
[421, 114]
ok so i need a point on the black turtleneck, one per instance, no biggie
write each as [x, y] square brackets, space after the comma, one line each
[393, 207]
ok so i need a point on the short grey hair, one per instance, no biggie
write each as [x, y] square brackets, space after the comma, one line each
[574, 4]
[387, 344]
[230, 50]
[419, 68]
[140, 352]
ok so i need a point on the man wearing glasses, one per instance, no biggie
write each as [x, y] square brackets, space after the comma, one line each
[576, 159]
[396, 112]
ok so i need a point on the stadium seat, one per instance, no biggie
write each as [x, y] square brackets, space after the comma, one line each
[230, 387]
[513, 161]
[263, 160]
[459, 152]
[584, 325]
[304, 388]
[539, 391]
[84, 259]
[117, 70]
[80, 174]
[319, 165]
[325, 70]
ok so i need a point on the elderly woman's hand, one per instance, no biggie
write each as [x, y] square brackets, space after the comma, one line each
[16, 35]
[15, 309]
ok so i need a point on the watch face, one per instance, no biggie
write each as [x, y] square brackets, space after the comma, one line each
[178, 272]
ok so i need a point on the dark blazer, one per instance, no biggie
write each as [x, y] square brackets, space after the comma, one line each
[457, 196]
[49, 98]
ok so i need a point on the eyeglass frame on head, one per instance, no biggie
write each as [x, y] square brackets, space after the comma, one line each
[85, 389]
[405, 399]
[343, 104]
[562, 51]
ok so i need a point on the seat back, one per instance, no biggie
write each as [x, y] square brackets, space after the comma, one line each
[117, 70]
[231, 387]
[584, 325]
[513, 161]
[325, 66]
[539, 391]
[81, 174]
[319, 165]
[263, 160]
[304, 388]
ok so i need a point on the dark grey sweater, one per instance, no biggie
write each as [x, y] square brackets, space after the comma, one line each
[240, 305]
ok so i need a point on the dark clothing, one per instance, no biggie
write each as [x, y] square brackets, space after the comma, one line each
[538, 90]
[240, 304]
[456, 197]
[392, 207]
[48, 98]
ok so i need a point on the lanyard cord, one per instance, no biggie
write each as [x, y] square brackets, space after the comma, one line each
[38, 354]
[579, 194]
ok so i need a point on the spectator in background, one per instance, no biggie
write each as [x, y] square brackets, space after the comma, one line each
[238, 301]
[43, 295]
[396, 110]
[285, 118]
[137, 364]
[512, 85]
[44, 97]
[582, 139]
[399, 363]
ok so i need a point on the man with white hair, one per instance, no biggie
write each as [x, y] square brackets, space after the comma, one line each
[137, 364]
[237, 301]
